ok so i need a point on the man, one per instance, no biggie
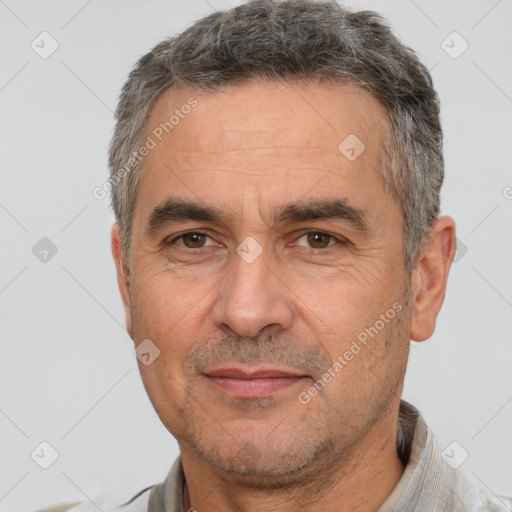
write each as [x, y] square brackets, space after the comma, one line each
[276, 172]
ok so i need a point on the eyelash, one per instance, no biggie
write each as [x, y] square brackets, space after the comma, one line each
[340, 241]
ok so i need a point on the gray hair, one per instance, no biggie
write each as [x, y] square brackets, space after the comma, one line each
[285, 41]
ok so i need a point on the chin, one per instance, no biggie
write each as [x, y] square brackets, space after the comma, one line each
[264, 463]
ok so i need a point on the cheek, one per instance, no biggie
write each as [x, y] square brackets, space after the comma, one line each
[370, 365]
[347, 303]
[163, 296]
[162, 319]
[166, 315]
[364, 326]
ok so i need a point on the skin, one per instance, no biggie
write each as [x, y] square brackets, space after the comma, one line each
[299, 305]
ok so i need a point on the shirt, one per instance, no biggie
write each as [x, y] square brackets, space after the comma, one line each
[429, 483]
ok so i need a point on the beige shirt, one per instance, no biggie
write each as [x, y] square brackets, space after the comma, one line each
[428, 484]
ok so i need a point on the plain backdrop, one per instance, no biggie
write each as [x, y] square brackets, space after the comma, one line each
[68, 374]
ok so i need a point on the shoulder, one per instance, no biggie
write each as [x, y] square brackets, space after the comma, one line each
[433, 481]
[471, 495]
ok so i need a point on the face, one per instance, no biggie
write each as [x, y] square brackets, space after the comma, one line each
[267, 269]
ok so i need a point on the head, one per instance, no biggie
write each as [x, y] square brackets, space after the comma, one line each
[276, 171]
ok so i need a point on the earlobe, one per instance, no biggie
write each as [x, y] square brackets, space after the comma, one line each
[122, 274]
[430, 278]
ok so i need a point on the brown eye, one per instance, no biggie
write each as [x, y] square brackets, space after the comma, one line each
[320, 243]
[194, 240]
[318, 240]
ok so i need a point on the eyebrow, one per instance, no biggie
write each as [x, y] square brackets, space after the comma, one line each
[175, 210]
[320, 209]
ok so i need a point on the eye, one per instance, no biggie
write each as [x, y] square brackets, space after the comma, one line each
[320, 240]
[192, 240]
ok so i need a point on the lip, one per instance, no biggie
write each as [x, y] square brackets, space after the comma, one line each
[250, 382]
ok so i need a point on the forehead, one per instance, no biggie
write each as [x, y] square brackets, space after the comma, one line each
[263, 141]
[312, 109]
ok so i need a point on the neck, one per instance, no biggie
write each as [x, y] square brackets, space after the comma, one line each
[360, 481]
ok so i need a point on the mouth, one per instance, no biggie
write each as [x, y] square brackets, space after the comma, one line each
[244, 381]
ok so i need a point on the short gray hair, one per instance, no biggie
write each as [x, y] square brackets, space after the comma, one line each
[285, 41]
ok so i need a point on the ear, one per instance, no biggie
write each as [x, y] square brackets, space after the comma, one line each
[430, 277]
[122, 274]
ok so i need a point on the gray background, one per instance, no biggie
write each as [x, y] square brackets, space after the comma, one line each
[68, 374]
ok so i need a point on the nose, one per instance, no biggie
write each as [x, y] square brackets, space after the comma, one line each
[251, 298]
